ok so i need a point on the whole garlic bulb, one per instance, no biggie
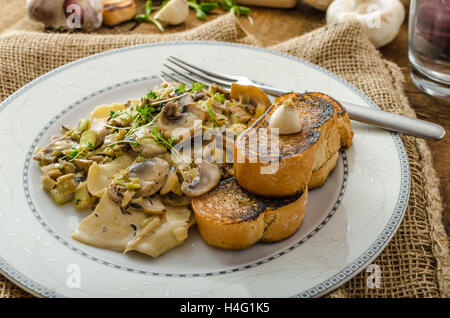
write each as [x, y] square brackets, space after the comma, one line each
[381, 18]
[318, 4]
[66, 14]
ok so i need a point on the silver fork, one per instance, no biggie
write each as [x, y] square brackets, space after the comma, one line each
[187, 73]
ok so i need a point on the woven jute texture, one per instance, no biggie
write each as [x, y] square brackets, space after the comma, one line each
[415, 263]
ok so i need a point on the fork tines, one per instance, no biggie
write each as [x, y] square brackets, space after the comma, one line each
[190, 73]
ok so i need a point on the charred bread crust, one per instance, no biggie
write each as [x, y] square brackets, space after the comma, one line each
[298, 152]
[326, 128]
[232, 218]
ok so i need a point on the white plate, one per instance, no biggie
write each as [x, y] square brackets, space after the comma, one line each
[348, 222]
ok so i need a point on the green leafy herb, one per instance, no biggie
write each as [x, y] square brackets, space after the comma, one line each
[230, 5]
[77, 152]
[219, 97]
[114, 114]
[152, 94]
[168, 143]
[202, 9]
[197, 87]
[207, 106]
[163, 4]
[145, 112]
[181, 88]
[147, 16]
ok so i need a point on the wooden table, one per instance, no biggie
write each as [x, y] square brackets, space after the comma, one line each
[271, 26]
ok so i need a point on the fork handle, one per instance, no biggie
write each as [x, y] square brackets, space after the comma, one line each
[390, 121]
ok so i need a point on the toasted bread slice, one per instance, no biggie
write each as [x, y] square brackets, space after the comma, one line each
[299, 154]
[232, 218]
[327, 154]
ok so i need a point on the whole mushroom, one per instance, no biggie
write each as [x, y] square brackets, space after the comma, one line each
[381, 18]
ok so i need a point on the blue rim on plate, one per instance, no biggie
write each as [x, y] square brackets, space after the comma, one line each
[330, 284]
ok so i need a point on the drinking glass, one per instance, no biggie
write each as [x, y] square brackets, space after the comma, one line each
[429, 46]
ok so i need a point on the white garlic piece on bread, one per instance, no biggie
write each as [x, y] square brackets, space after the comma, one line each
[381, 18]
[286, 118]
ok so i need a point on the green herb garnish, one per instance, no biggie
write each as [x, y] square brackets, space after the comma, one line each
[147, 16]
[152, 94]
[114, 114]
[202, 9]
[168, 143]
[145, 112]
[207, 106]
[163, 4]
[197, 87]
[77, 152]
[219, 97]
[181, 88]
[230, 5]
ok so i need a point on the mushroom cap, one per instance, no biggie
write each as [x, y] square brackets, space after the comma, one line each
[172, 199]
[208, 176]
[381, 18]
[152, 174]
[151, 205]
[147, 146]
[176, 122]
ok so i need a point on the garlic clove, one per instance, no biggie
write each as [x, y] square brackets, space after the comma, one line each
[66, 14]
[286, 119]
[51, 13]
[318, 4]
[381, 18]
[174, 12]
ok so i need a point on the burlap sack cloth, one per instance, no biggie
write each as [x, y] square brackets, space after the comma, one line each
[415, 263]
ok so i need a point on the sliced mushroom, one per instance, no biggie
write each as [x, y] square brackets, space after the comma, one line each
[116, 191]
[251, 94]
[49, 153]
[171, 182]
[220, 108]
[101, 129]
[188, 105]
[172, 199]
[146, 144]
[152, 174]
[151, 205]
[208, 176]
[214, 88]
[83, 164]
[174, 120]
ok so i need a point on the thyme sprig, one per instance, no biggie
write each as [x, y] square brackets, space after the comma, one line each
[78, 151]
